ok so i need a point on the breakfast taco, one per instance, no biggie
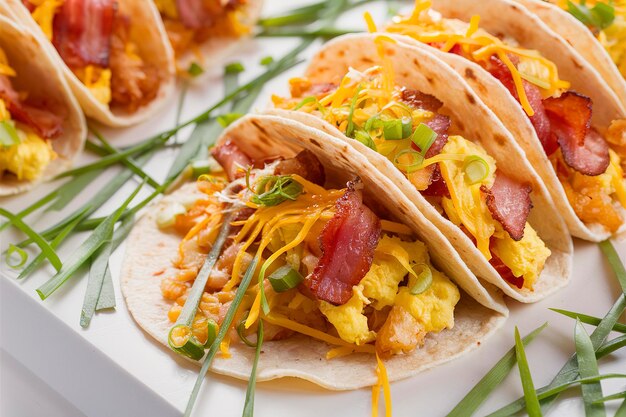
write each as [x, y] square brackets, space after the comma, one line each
[344, 267]
[424, 128]
[114, 53]
[603, 44]
[202, 31]
[571, 128]
[42, 128]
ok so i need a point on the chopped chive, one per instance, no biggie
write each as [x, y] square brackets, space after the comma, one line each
[241, 331]
[8, 134]
[588, 367]
[194, 69]
[86, 249]
[285, 278]
[224, 328]
[599, 17]
[191, 346]
[265, 61]
[532, 402]
[424, 280]
[615, 262]
[364, 137]
[470, 403]
[20, 252]
[234, 68]
[226, 119]
[423, 137]
[50, 254]
[350, 127]
[397, 129]
[618, 327]
[305, 101]
[248, 407]
[273, 190]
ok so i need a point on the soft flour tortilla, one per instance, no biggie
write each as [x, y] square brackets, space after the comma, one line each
[215, 50]
[582, 40]
[514, 21]
[147, 33]
[150, 250]
[20, 48]
[417, 68]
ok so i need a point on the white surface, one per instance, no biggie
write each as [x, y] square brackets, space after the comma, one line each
[114, 369]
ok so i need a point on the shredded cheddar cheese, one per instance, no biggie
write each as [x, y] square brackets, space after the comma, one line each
[383, 382]
[44, 13]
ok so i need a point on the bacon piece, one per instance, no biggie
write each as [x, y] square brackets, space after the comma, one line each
[539, 120]
[231, 158]
[438, 186]
[583, 148]
[509, 203]
[348, 242]
[440, 124]
[45, 123]
[197, 14]
[304, 164]
[319, 89]
[419, 100]
[82, 32]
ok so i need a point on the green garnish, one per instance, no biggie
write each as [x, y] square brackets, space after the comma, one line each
[616, 396]
[397, 129]
[621, 411]
[265, 61]
[8, 134]
[599, 16]
[194, 69]
[423, 138]
[611, 346]
[476, 169]
[350, 127]
[35, 237]
[20, 252]
[424, 280]
[248, 407]
[234, 68]
[532, 402]
[226, 119]
[364, 137]
[200, 167]
[416, 157]
[272, 190]
[191, 346]
[614, 261]
[285, 278]
[588, 367]
[99, 236]
[241, 330]
[470, 403]
[372, 123]
[619, 327]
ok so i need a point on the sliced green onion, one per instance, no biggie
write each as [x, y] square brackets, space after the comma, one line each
[372, 123]
[600, 16]
[166, 217]
[241, 330]
[397, 129]
[409, 167]
[234, 68]
[423, 138]
[275, 189]
[226, 119]
[285, 278]
[265, 61]
[191, 347]
[194, 69]
[587, 368]
[470, 403]
[424, 280]
[22, 254]
[364, 137]
[8, 134]
[532, 402]
[476, 169]
[248, 407]
[350, 127]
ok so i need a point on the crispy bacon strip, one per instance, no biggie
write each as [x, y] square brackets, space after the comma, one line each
[82, 31]
[583, 148]
[419, 100]
[304, 164]
[509, 203]
[231, 158]
[196, 14]
[45, 123]
[348, 242]
[438, 186]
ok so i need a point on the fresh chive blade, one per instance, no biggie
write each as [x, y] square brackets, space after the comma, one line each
[248, 408]
[224, 328]
[188, 312]
[98, 270]
[532, 402]
[611, 346]
[106, 300]
[86, 250]
[470, 403]
[588, 367]
[68, 191]
[621, 411]
[594, 321]
[614, 261]
[20, 252]
[543, 393]
[179, 107]
[33, 207]
[325, 33]
[74, 220]
[616, 396]
[45, 247]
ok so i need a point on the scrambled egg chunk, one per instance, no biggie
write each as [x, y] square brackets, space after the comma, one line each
[349, 320]
[28, 159]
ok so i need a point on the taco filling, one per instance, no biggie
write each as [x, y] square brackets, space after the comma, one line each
[27, 129]
[456, 175]
[328, 266]
[99, 44]
[588, 163]
[189, 23]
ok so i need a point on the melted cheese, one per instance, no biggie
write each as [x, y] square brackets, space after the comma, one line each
[98, 82]
[44, 13]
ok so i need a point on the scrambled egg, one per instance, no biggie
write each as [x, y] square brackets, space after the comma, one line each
[97, 80]
[167, 8]
[434, 308]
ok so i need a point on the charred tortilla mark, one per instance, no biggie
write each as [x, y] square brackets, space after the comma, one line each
[460, 125]
[577, 64]
[405, 74]
[261, 128]
[469, 73]
[367, 60]
[470, 98]
[430, 80]
[341, 53]
[416, 62]
[500, 140]
[315, 143]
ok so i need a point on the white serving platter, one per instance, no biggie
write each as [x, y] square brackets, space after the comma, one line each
[114, 369]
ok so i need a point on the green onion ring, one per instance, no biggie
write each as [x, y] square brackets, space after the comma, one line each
[424, 280]
[476, 169]
[412, 166]
[21, 252]
[241, 330]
